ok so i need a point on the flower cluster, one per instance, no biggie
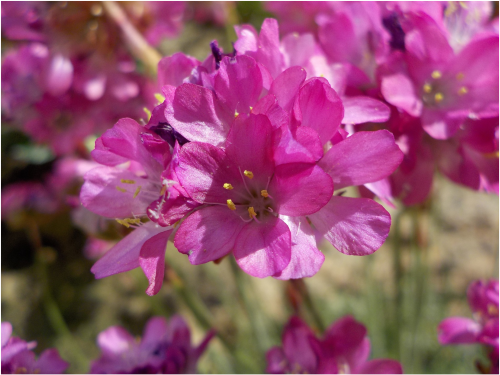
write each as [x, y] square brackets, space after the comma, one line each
[434, 65]
[483, 329]
[17, 357]
[165, 348]
[248, 162]
[344, 349]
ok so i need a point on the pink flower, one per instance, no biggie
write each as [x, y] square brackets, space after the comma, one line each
[17, 356]
[483, 329]
[165, 348]
[344, 349]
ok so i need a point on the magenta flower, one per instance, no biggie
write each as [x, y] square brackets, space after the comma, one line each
[483, 329]
[17, 357]
[443, 89]
[125, 193]
[165, 348]
[344, 349]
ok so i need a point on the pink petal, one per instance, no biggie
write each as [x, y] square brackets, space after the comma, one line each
[300, 189]
[458, 330]
[286, 86]
[50, 362]
[268, 51]
[115, 341]
[59, 76]
[296, 346]
[196, 114]
[319, 107]
[155, 331]
[6, 332]
[103, 155]
[203, 170]
[105, 193]
[152, 260]
[354, 226]
[247, 39]
[172, 70]
[360, 109]
[124, 256]
[238, 83]
[361, 158]
[269, 106]
[398, 90]
[249, 146]
[302, 146]
[208, 234]
[263, 250]
[439, 124]
[306, 259]
[276, 361]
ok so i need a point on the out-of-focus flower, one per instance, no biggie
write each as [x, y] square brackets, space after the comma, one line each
[483, 329]
[17, 357]
[344, 349]
[165, 348]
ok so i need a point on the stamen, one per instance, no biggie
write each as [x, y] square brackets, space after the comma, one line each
[427, 88]
[244, 182]
[231, 205]
[438, 97]
[128, 222]
[251, 108]
[137, 192]
[463, 90]
[121, 189]
[159, 97]
[269, 209]
[248, 174]
[127, 181]
[163, 189]
[228, 186]
[236, 114]
[436, 74]
[148, 112]
[251, 213]
[264, 193]
[460, 76]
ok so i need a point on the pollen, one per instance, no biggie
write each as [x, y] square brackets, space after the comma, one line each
[163, 189]
[438, 97]
[121, 189]
[463, 90]
[251, 213]
[228, 186]
[137, 192]
[427, 88]
[248, 174]
[264, 193]
[159, 97]
[436, 74]
[460, 76]
[127, 222]
[148, 112]
[231, 205]
[123, 181]
[236, 114]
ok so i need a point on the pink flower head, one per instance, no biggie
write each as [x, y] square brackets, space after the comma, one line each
[430, 81]
[17, 357]
[483, 329]
[344, 349]
[165, 348]
[130, 180]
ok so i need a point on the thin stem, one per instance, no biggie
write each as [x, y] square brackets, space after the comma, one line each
[398, 279]
[300, 286]
[139, 47]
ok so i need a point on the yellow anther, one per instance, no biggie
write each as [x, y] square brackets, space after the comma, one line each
[137, 191]
[251, 213]
[236, 114]
[121, 189]
[123, 181]
[248, 174]
[231, 205]
[427, 88]
[148, 112]
[96, 10]
[264, 193]
[460, 76]
[163, 189]
[463, 90]
[228, 186]
[251, 108]
[159, 97]
[436, 74]
[438, 97]
[491, 155]
[127, 222]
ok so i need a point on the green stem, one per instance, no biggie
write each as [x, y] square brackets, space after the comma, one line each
[398, 279]
[309, 304]
[139, 47]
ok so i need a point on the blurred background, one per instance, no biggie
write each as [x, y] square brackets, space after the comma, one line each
[401, 293]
